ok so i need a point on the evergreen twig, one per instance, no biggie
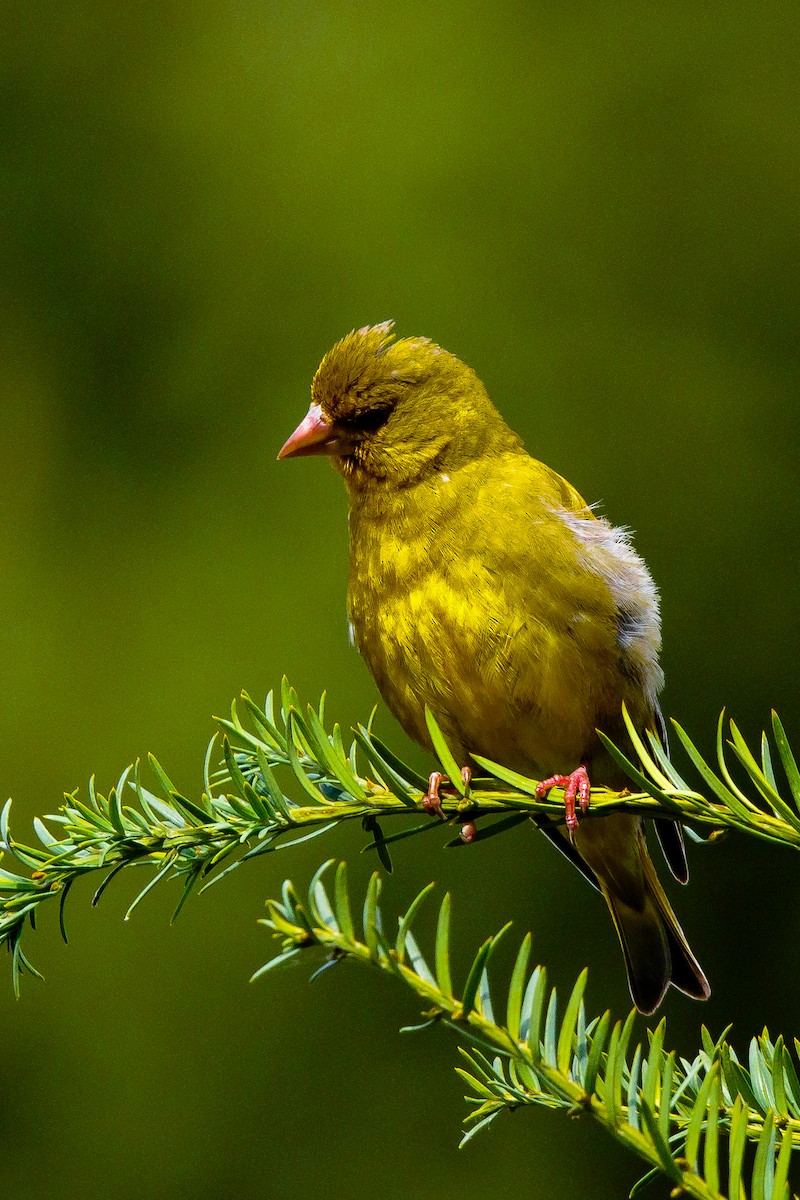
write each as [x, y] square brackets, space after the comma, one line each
[283, 777]
[667, 1110]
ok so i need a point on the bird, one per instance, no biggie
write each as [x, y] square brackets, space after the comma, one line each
[482, 586]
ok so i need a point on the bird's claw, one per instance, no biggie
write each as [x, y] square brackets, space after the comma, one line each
[575, 785]
[432, 801]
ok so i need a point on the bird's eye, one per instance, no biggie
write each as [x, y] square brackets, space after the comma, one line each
[369, 420]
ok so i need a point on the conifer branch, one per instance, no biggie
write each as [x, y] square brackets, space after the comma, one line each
[283, 777]
[280, 776]
[689, 1121]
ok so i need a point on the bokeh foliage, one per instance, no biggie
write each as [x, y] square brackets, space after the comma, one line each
[595, 205]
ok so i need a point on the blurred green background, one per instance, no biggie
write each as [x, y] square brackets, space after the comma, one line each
[593, 204]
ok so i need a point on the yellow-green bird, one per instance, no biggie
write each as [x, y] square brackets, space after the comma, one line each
[483, 586]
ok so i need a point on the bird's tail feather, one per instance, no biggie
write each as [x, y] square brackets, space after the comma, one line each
[686, 974]
[653, 943]
[646, 949]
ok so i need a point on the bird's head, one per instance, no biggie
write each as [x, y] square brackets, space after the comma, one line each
[395, 411]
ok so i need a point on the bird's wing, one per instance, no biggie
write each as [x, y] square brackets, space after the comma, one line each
[637, 617]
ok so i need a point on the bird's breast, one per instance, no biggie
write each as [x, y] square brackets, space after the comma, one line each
[480, 625]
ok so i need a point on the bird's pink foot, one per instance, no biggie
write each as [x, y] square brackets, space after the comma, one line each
[575, 785]
[432, 800]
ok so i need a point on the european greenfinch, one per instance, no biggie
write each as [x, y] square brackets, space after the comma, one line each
[483, 586]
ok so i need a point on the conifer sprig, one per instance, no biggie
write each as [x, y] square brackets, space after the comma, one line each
[688, 1120]
[281, 776]
[277, 775]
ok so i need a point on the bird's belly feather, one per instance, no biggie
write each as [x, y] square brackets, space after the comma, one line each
[522, 683]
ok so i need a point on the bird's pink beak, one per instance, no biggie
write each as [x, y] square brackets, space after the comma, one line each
[314, 435]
